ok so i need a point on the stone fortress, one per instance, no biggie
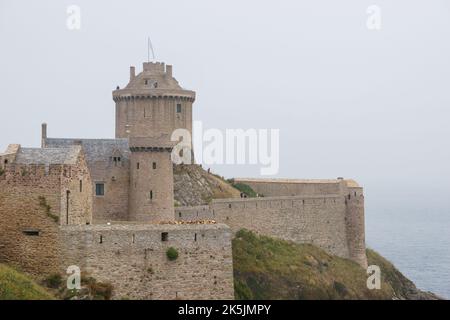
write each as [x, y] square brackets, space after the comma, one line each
[107, 205]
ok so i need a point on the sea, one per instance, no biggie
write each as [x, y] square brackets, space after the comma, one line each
[416, 241]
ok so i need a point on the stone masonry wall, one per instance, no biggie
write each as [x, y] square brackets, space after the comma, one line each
[316, 220]
[33, 203]
[21, 191]
[133, 259]
[269, 188]
[334, 223]
[76, 194]
[113, 205]
[151, 187]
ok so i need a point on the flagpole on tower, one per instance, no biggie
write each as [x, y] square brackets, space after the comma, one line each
[150, 48]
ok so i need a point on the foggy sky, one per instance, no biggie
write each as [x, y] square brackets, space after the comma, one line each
[352, 102]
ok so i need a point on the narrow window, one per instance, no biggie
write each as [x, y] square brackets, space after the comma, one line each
[146, 81]
[67, 206]
[179, 214]
[133, 238]
[165, 236]
[154, 165]
[195, 237]
[101, 239]
[229, 206]
[99, 189]
[33, 233]
[137, 165]
[178, 107]
[151, 195]
[6, 161]
[155, 85]
[81, 185]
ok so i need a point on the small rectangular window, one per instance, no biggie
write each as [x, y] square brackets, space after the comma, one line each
[154, 165]
[81, 185]
[178, 107]
[99, 189]
[34, 233]
[137, 165]
[151, 195]
[165, 236]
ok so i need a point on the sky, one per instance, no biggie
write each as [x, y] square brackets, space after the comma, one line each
[349, 101]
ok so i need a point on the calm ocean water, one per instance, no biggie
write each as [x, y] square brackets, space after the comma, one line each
[418, 243]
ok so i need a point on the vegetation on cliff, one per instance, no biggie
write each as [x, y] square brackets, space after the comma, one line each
[266, 268]
[194, 186]
[244, 188]
[17, 286]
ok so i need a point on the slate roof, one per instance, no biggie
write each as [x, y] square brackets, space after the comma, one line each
[95, 149]
[48, 156]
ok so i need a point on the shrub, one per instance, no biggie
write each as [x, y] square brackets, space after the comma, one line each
[43, 203]
[244, 188]
[172, 253]
[101, 290]
[54, 281]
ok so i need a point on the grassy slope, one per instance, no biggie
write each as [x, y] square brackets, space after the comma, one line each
[17, 286]
[265, 268]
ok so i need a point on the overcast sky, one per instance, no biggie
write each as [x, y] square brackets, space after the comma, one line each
[349, 101]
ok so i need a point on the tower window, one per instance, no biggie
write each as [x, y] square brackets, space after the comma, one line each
[178, 107]
[165, 236]
[151, 195]
[137, 165]
[99, 189]
[34, 233]
[81, 185]
[154, 165]
[6, 161]
[146, 81]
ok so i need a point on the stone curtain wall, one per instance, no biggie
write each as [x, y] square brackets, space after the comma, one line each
[193, 213]
[316, 220]
[335, 223]
[22, 189]
[133, 259]
[293, 188]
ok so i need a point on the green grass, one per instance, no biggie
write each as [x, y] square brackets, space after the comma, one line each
[266, 268]
[17, 286]
[244, 188]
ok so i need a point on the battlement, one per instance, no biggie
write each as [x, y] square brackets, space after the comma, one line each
[35, 171]
[154, 67]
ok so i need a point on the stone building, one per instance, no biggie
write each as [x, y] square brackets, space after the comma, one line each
[107, 205]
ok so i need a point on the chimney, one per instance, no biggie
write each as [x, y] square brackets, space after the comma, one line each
[43, 134]
[132, 72]
[169, 71]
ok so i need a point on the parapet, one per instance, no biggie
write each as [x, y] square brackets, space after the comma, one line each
[161, 143]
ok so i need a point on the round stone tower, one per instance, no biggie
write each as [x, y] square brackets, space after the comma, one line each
[151, 180]
[152, 103]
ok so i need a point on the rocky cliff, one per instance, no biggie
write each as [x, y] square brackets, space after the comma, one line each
[195, 186]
